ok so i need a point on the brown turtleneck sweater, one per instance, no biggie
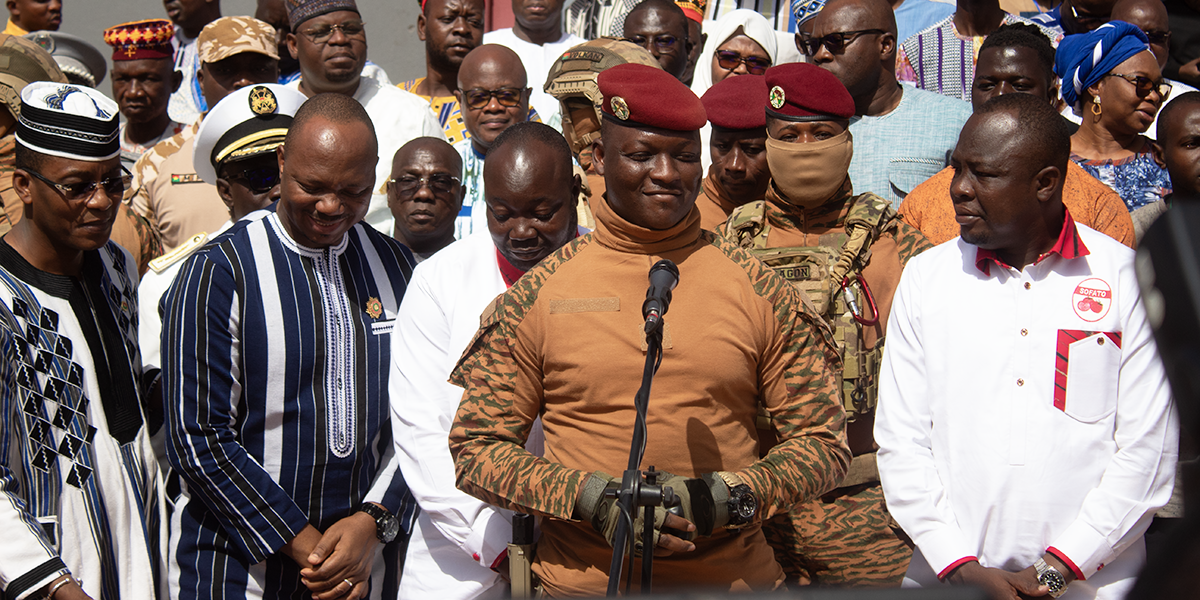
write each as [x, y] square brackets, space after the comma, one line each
[714, 204]
[565, 343]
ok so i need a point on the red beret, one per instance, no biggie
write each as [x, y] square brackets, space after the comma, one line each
[733, 102]
[805, 92]
[642, 96]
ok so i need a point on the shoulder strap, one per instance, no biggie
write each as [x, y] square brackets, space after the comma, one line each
[747, 225]
[869, 217]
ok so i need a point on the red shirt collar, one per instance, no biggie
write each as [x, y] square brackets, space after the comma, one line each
[510, 273]
[1068, 246]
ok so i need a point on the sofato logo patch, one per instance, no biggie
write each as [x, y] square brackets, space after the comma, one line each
[1092, 299]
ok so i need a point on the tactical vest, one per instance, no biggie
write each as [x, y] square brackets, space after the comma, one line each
[819, 272]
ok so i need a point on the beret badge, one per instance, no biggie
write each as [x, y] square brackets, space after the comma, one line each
[262, 101]
[777, 98]
[619, 108]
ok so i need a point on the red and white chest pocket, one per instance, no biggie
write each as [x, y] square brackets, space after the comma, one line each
[1086, 370]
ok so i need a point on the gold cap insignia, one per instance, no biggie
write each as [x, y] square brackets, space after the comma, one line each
[374, 307]
[619, 108]
[262, 101]
[777, 97]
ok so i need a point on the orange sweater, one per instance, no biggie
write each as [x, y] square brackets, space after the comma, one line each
[565, 343]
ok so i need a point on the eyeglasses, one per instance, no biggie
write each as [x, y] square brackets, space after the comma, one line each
[114, 187]
[1145, 85]
[663, 43]
[259, 180]
[439, 183]
[729, 60]
[1088, 19]
[835, 42]
[1161, 38]
[321, 33]
[477, 99]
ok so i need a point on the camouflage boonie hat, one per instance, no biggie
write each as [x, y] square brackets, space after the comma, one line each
[23, 62]
[228, 36]
[572, 78]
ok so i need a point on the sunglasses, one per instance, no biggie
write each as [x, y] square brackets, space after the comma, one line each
[1088, 19]
[835, 42]
[663, 43]
[1145, 85]
[477, 99]
[259, 180]
[729, 60]
[114, 187]
[321, 33]
[1160, 38]
[438, 182]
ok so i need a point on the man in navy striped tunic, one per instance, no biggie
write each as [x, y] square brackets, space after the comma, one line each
[276, 340]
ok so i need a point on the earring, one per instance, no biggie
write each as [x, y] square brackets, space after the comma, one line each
[1096, 108]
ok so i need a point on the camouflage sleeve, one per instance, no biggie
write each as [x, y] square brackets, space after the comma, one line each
[909, 242]
[502, 397]
[799, 390]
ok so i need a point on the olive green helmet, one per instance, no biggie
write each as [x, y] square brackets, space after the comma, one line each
[572, 80]
[23, 62]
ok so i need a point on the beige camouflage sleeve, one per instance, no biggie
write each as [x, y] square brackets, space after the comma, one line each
[502, 397]
[799, 390]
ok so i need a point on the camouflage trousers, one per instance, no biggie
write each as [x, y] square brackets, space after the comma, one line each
[845, 538]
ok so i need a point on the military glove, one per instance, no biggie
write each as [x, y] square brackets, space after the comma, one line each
[604, 513]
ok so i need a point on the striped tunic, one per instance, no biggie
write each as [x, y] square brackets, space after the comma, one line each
[940, 59]
[80, 491]
[275, 366]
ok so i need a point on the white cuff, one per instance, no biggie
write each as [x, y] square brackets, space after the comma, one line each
[1086, 547]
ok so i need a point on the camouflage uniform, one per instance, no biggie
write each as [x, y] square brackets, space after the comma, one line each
[846, 537]
[168, 193]
[737, 337]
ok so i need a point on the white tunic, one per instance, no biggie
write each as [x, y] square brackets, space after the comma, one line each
[1024, 411]
[457, 538]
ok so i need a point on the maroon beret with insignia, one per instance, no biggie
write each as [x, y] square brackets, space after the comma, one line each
[642, 96]
[733, 102]
[804, 92]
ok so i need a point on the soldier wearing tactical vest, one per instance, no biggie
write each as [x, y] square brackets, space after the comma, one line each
[846, 252]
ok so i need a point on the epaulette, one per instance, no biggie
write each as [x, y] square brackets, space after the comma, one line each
[181, 252]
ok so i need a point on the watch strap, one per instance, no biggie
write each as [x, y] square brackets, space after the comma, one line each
[1042, 567]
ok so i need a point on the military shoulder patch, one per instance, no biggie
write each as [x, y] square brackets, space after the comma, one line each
[181, 252]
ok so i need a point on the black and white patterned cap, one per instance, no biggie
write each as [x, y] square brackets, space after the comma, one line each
[68, 121]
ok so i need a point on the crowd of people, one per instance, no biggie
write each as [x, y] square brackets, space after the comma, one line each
[274, 326]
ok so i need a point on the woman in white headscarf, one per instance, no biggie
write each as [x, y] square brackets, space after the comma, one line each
[738, 43]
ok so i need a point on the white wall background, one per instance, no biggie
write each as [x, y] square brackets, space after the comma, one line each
[391, 28]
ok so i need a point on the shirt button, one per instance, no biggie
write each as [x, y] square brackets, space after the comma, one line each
[1100, 341]
[1028, 285]
[1024, 332]
[1020, 382]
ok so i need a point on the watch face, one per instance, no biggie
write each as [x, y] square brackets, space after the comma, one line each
[1052, 580]
[389, 527]
[742, 505]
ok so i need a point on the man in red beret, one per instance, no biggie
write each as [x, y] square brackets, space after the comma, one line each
[566, 342]
[846, 252]
[739, 173]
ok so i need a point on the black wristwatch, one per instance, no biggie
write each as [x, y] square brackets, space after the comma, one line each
[742, 504]
[387, 526]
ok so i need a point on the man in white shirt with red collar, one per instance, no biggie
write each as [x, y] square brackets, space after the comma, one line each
[1025, 425]
[459, 544]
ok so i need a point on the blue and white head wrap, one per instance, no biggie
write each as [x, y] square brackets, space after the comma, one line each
[804, 10]
[1083, 59]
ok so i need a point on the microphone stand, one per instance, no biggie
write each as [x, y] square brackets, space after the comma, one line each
[635, 492]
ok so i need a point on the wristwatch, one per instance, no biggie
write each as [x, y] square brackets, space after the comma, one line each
[1051, 578]
[742, 504]
[386, 524]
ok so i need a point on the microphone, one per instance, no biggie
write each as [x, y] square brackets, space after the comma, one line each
[664, 276]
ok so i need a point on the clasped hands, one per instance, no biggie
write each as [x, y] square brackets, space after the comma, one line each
[336, 564]
[999, 584]
[701, 513]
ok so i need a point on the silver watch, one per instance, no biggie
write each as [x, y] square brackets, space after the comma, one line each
[1051, 578]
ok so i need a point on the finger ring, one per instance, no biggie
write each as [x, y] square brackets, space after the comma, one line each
[349, 583]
